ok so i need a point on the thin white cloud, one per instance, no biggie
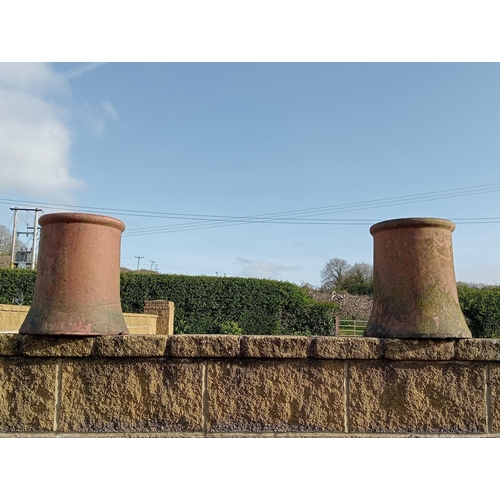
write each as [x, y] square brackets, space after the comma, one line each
[264, 269]
[81, 70]
[33, 78]
[35, 138]
[346, 244]
[109, 111]
[299, 244]
[94, 118]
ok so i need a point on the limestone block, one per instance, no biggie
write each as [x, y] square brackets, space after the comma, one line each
[347, 348]
[478, 349]
[12, 317]
[164, 309]
[130, 345]
[416, 397]
[271, 346]
[495, 397]
[273, 396]
[8, 344]
[422, 349]
[27, 395]
[204, 346]
[56, 345]
[131, 395]
[141, 324]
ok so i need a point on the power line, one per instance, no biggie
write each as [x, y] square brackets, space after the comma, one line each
[310, 222]
[302, 216]
[466, 191]
[228, 221]
[304, 220]
[177, 267]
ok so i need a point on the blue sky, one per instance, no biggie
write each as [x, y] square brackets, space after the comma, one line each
[229, 140]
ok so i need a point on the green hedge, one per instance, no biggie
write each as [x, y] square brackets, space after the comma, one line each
[205, 304]
[481, 308]
[17, 286]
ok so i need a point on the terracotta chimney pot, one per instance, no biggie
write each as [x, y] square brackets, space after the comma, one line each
[77, 290]
[415, 291]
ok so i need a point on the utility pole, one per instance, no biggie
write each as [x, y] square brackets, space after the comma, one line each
[35, 234]
[152, 262]
[16, 233]
[138, 260]
[14, 238]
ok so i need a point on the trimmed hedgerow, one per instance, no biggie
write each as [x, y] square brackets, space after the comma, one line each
[481, 308]
[206, 304]
[203, 304]
[17, 286]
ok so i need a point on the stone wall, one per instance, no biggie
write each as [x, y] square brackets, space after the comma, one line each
[214, 386]
[12, 317]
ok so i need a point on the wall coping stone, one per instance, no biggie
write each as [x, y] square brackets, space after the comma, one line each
[55, 346]
[204, 346]
[478, 350]
[124, 346]
[249, 346]
[258, 346]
